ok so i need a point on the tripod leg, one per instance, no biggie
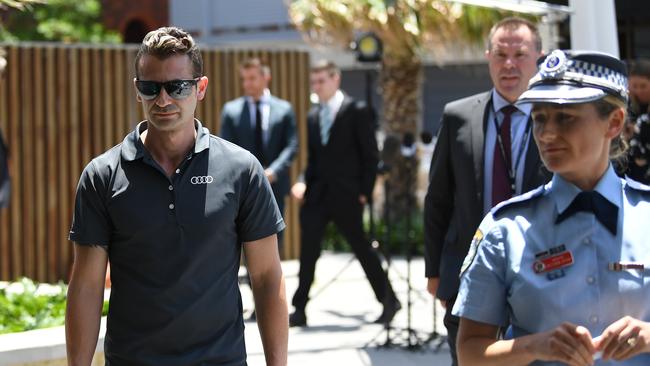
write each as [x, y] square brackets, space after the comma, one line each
[436, 340]
[333, 279]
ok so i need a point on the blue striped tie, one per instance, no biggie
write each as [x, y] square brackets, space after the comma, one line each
[325, 121]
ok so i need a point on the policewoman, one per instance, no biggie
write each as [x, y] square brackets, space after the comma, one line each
[565, 266]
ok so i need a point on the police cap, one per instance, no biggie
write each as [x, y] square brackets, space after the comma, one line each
[568, 77]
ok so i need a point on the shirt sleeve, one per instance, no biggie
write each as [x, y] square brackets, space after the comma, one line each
[483, 289]
[259, 215]
[90, 223]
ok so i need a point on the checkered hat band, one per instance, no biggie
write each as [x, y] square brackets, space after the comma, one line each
[598, 71]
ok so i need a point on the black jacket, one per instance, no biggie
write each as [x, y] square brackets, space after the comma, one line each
[453, 207]
[347, 165]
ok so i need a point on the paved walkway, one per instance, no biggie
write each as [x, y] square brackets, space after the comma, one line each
[340, 316]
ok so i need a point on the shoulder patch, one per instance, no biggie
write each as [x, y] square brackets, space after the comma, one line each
[636, 185]
[473, 249]
[518, 200]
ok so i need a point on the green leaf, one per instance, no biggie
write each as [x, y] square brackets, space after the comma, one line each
[23, 307]
[59, 20]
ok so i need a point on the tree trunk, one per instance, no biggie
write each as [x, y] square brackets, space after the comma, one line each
[401, 88]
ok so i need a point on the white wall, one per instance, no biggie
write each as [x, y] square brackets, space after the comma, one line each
[593, 26]
[234, 22]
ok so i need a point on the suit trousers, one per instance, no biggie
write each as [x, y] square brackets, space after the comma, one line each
[451, 323]
[346, 213]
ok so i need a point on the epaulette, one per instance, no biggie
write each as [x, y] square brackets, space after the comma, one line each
[637, 186]
[518, 200]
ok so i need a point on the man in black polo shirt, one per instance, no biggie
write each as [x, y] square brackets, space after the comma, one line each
[170, 207]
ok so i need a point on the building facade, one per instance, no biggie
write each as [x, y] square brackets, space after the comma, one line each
[265, 24]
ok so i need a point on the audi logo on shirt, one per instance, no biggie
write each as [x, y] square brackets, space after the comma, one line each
[206, 179]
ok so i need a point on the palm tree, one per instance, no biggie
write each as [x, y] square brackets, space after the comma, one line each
[19, 4]
[410, 30]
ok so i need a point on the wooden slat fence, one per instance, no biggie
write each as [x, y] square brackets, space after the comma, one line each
[61, 105]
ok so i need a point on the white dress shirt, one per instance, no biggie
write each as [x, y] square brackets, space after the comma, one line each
[265, 110]
[518, 125]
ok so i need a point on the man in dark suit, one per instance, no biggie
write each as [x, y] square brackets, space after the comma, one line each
[484, 154]
[264, 125]
[339, 179]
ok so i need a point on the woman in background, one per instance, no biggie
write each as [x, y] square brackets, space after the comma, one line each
[638, 126]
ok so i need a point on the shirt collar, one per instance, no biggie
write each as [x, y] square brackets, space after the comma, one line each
[609, 186]
[264, 99]
[499, 102]
[334, 103]
[133, 148]
[202, 137]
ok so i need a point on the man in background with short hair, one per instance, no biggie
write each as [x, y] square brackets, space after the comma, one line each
[338, 181]
[265, 125]
[484, 155]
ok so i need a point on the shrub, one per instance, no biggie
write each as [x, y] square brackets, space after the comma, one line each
[394, 237]
[26, 305]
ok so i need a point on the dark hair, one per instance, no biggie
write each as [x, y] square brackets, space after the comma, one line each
[326, 65]
[513, 23]
[255, 62]
[168, 41]
[639, 67]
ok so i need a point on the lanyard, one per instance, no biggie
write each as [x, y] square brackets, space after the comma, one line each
[512, 168]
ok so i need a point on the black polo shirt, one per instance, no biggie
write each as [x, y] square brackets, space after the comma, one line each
[174, 245]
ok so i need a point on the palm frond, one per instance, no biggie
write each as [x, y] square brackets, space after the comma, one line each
[20, 4]
[408, 28]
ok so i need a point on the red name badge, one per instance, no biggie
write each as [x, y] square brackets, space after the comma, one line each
[553, 262]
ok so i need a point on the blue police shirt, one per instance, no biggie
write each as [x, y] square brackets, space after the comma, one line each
[499, 282]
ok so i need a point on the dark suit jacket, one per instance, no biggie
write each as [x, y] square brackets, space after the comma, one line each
[453, 207]
[347, 165]
[282, 144]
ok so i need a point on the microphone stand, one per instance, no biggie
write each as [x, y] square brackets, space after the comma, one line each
[408, 150]
[435, 340]
[411, 340]
[383, 170]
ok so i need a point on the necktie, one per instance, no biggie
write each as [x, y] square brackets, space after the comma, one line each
[501, 163]
[605, 211]
[325, 120]
[259, 144]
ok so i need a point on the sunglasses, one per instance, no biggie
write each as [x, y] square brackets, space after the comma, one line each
[177, 89]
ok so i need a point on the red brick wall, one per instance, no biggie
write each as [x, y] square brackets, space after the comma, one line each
[117, 14]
